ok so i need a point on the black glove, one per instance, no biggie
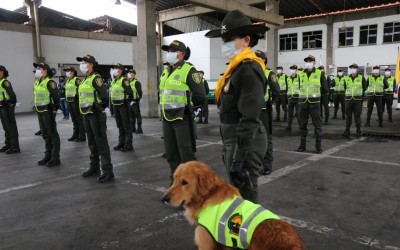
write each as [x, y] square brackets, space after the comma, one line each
[239, 175]
[103, 105]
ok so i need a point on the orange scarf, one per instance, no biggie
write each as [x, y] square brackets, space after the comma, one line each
[234, 62]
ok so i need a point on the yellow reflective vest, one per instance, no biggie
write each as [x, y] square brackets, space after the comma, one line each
[232, 222]
[375, 87]
[339, 84]
[390, 81]
[266, 97]
[134, 90]
[117, 92]
[354, 88]
[310, 87]
[87, 95]
[71, 89]
[42, 95]
[293, 87]
[3, 92]
[282, 83]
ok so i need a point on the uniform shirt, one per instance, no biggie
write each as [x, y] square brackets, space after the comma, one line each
[279, 76]
[323, 81]
[273, 84]
[127, 88]
[333, 82]
[138, 87]
[364, 83]
[385, 83]
[394, 83]
[243, 95]
[77, 83]
[7, 86]
[54, 93]
[100, 88]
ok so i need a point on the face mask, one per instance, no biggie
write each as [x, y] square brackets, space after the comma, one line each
[292, 71]
[172, 58]
[376, 71]
[340, 73]
[115, 72]
[279, 71]
[68, 74]
[228, 49]
[38, 73]
[352, 71]
[387, 73]
[331, 77]
[309, 65]
[129, 75]
[83, 67]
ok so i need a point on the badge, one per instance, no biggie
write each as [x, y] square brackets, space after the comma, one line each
[78, 81]
[177, 77]
[273, 78]
[126, 83]
[99, 82]
[53, 85]
[196, 78]
[6, 84]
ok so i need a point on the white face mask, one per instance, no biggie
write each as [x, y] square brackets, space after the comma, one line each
[293, 71]
[331, 77]
[38, 73]
[279, 71]
[229, 50]
[309, 65]
[68, 74]
[115, 72]
[352, 71]
[340, 73]
[387, 73]
[129, 75]
[83, 67]
[172, 58]
[375, 71]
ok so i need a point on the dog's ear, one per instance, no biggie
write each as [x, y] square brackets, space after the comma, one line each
[207, 181]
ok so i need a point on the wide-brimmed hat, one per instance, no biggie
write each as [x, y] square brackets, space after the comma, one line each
[340, 70]
[175, 45]
[86, 58]
[354, 65]
[321, 67]
[42, 65]
[236, 23]
[71, 69]
[132, 71]
[388, 69]
[294, 66]
[279, 67]
[376, 67]
[312, 58]
[118, 66]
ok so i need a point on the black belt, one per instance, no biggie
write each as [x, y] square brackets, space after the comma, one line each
[230, 118]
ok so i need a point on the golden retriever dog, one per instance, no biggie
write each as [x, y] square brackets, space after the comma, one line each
[196, 187]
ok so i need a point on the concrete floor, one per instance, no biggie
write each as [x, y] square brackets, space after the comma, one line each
[346, 198]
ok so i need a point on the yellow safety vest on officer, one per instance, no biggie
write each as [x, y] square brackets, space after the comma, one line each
[117, 92]
[375, 86]
[390, 81]
[71, 89]
[266, 97]
[42, 95]
[87, 95]
[3, 93]
[310, 87]
[282, 83]
[339, 84]
[173, 92]
[354, 88]
[293, 87]
[134, 90]
[233, 222]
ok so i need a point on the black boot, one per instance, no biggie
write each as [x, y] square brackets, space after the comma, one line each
[118, 147]
[326, 120]
[13, 150]
[267, 170]
[43, 161]
[278, 117]
[91, 171]
[133, 129]
[139, 130]
[127, 148]
[318, 148]
[289, 127]
[367, 124]
[107, 175]
[390, 118]
[73, 138]
[5, 148]
[53, 163]
[358, 133]
[346, 133]
[302, 147]
[39, 132]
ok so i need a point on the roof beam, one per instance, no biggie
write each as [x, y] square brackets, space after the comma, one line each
[317, 3]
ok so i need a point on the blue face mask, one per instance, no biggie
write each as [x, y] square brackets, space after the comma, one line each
[228, 49]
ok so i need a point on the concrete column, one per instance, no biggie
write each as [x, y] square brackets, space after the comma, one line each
[329, 45]
[145, 56]
[272, 36]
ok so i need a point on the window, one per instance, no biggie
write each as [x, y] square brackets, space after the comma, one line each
[368, 34]
[391, 32]
[346, 36]
[288, 42]
[312, 39]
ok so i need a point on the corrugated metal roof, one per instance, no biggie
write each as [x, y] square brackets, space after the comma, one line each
[116, 26]
[12, 17]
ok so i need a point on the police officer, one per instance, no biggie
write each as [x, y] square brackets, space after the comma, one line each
[375, 85]
[325, 98]
[281, 99]
[47, 102]
[240, 97]
[8, 99]
[312, 86]
[388, 94]
[71, 94]
[293, 95]
[136, 116]
[93, 99]
[204, 107]
[266, 114]
[339, 93]
[121, 95]
[355, 86]
[180, 88]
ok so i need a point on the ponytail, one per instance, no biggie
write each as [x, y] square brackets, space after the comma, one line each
[187, 54]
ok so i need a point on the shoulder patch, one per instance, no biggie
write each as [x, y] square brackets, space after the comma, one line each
[53, 85]
[78, 81]
[247, 60]
[98, 81]
[196, 77]
[126, 82]
[6, 84]
[273, 78]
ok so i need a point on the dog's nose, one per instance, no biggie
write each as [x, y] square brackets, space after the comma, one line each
[165, 198]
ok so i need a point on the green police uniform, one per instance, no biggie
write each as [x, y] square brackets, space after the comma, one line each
[293, 97]
[179, 88]
[266, 118]
[8, 100]
[354, 92]
[325, 102]
[312, 85]
[71, 94]
[121, 94]
[93, 99]
[387, 99]
[281, 99]
[375, 88]
[136, 116]
[47, 102]
[339, 95]
[233, 222]
[204, 107]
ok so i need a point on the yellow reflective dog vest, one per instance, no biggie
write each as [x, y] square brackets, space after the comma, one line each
[232, 222]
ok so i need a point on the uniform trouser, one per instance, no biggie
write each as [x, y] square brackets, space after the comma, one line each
[353, 107]
[204, 111]
[339, 99]
[325, 105]
[77, 120]
[253, 161]
[122, 119]
[378, 101]
[310, 109]
[136, 116]
[178, 143]
[266, 118]
[48, 126]
[292, 106]
[95, 126]
[387, 101]
[281, 101]
[7, 117]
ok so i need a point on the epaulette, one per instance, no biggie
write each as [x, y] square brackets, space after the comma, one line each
[247, 60]
[189, 63]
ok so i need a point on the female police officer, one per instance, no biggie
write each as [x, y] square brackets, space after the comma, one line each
[240, 95]
[93, 99]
